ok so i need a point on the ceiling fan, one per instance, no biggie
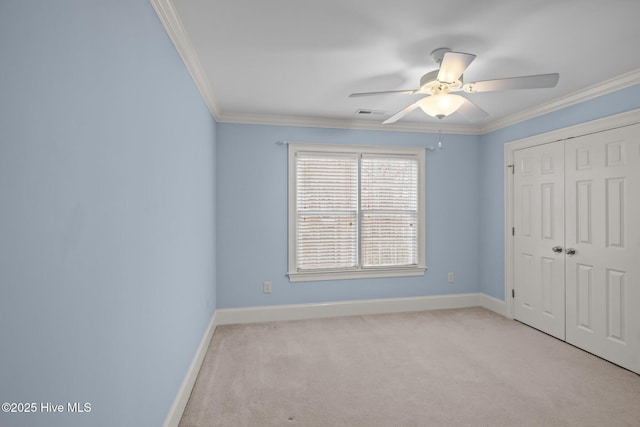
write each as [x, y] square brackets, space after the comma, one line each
[437, 85]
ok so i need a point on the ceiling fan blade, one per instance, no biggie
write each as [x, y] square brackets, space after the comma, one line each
[525, 82]
[453, 65]
[397, 116]
[471, 111]
[407, 92]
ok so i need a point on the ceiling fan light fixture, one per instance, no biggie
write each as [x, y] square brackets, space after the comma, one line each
[438, 84]
[440, 105]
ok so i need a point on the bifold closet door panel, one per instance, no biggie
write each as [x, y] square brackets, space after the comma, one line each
[539, 295]
[603, 244]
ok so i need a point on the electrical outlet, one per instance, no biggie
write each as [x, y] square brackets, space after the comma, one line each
[450, 278]
[266, 287]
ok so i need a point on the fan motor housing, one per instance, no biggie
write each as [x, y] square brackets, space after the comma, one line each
[430, 81]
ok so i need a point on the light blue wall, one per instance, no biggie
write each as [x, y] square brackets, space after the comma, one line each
[107, 211]
[492, 172]
[252, 217]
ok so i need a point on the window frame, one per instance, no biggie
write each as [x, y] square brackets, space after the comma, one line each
[359, 272]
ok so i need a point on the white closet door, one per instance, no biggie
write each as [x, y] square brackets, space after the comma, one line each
[539, 298]
[603, 228]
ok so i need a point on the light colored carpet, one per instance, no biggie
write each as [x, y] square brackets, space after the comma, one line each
[466, 367]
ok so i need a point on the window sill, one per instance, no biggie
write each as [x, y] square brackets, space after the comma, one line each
[355, 274]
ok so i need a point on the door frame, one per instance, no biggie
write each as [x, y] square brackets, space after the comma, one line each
[599, 125]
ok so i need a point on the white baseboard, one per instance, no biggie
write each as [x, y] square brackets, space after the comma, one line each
[494, 304]
[180, 402]
[228, 316]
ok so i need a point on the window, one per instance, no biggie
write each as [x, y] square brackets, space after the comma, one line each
[355, 212]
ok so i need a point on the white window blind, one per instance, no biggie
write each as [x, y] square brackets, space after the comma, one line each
[389, 211]
[327, 209]
[355, 212]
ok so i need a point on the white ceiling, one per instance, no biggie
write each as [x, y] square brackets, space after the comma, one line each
[296, 61]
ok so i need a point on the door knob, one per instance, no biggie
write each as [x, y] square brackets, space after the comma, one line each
[557, 249]
[570, 251]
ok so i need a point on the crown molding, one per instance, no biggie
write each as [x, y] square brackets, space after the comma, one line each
[608, 86]
[166, 11]
[283, 120]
